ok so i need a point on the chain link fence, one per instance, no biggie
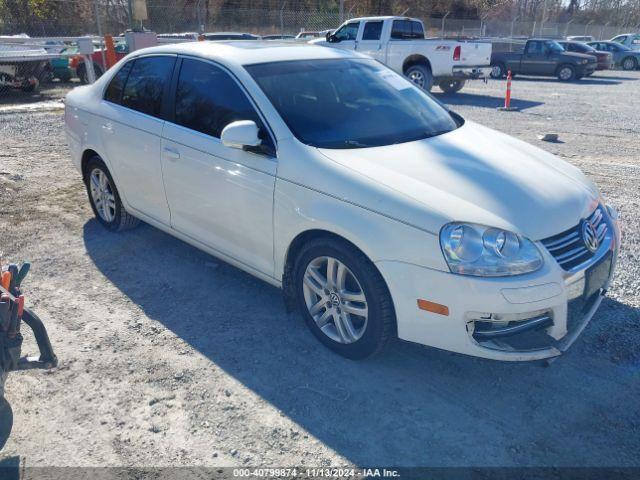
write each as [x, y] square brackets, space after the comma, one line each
[48, 29]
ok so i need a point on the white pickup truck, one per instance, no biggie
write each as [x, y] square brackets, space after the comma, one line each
[399, 43]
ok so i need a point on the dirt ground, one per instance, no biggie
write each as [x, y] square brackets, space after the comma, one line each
[169, 357]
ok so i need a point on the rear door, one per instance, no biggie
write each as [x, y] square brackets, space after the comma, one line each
[370, 42]
[219, 196]
[131, 130]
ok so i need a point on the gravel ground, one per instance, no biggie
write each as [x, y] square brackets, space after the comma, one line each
[224, 376]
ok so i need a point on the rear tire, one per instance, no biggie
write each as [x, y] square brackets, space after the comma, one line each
[350, 309]
[498, 71]
[104, 198]
[451, 85]
[421, 76]
[566, 73]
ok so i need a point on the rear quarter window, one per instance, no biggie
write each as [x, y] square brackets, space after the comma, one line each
[146, 83]
[113, 93]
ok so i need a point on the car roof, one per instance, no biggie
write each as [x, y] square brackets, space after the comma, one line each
[247, 52]
[382, 17]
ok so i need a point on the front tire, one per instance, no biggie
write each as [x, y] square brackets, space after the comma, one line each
[421, 76]
[629, 63]
[343, 298]
[566, 73]
[104, 198]
[451, 85]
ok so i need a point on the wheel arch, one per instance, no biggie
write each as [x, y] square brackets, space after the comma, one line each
[87, 155]
[294, 248]
[415, 59]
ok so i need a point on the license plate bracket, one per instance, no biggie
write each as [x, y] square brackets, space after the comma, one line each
[597, 275]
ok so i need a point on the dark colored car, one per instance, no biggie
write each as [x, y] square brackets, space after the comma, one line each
[229, 36]
[605, 59]
[622, 56]
[543, 57]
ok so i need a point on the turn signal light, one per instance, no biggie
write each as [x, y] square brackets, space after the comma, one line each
[433, 307]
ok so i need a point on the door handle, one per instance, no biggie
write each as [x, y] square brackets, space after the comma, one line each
[171, 153]
[108, 128]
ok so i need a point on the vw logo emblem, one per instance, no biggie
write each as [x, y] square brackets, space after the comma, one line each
[334, 299]
[590, 236]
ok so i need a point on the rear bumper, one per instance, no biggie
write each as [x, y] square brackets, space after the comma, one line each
[471, 73]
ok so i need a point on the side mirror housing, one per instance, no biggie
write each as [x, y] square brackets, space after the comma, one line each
[331, 38]
[240, 134]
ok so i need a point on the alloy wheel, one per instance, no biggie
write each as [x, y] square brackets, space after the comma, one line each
[496, 71]
[102, 195]
[335, 300]
[417, 77]
[628, 64]
[565, 73]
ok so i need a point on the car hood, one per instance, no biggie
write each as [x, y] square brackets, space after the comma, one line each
[473, 174]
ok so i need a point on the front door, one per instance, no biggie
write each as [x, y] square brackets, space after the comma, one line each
[346, 36]
[537, 59]
[219, 196]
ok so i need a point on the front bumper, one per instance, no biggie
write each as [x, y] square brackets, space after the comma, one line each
[528, 317]
[471, 73]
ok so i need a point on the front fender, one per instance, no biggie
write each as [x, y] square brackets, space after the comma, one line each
[298, 209]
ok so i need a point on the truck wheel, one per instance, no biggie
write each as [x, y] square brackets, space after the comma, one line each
[452, 85]
[498, 70]
[566, 73]
[421, 76]
[629, 63]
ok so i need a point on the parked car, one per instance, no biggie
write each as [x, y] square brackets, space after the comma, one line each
[581, 38]
[543, 57]
[399, 43]
[623, 56]
[631, 40]
[181, 37]
[230, 36]
[278, 37]
[604, 59]
[311, 34]
[325, 173]
[76, 63]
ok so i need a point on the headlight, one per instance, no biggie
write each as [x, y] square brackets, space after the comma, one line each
[471, 249]
[584, 61]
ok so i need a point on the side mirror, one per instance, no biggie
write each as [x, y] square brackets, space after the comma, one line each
[331, 38]
[240, 134]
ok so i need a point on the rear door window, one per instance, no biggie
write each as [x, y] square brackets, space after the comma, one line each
[146, 84]
[113, 93]
[406, 30]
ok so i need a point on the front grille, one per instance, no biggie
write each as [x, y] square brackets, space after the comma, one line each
[569, 248]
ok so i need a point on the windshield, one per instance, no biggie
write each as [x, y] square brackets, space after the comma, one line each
[349, 103]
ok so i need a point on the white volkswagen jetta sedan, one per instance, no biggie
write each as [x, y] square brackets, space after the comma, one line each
[378, 212]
